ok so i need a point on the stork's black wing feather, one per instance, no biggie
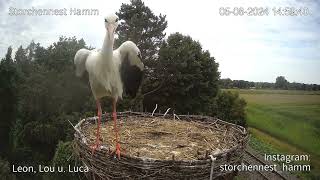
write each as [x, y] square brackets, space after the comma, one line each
[131, 77]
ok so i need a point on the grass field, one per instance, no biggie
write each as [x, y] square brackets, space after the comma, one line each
[266, 144]
[290, 118]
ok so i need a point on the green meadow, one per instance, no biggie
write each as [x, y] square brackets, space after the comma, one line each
[288, 121]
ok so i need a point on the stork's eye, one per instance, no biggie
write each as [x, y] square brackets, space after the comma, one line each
[105, 20]
[117, 19]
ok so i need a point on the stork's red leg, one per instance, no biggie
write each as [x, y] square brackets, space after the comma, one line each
[97, 143]
[114, 114]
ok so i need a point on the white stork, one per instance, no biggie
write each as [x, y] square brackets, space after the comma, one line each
[111, 72]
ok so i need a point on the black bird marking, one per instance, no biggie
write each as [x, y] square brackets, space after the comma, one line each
[131, 76]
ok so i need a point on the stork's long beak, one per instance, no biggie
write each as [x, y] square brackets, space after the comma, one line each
[111, 28]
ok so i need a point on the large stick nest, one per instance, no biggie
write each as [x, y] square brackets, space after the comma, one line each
[154, 147]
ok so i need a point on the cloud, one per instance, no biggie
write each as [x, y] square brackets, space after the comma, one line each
[21, 30]
[250, 48]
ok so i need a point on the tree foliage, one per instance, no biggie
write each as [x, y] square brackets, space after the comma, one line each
[65, 157]
[143, 27]
[146, 29]
[231, 107]
[281, 83]
[5, 171]
[39, 93]
[242, 84]
[190, 76]
[9, 100]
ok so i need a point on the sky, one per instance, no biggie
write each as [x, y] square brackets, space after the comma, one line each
[253, 48]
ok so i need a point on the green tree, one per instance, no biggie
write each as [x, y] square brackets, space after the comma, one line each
[49, 95]
[60, 55]
[191, 76]
[281, 83]
[143, 27]
[65, 157]
[21, 55]
[8, 103]
[230, 107]
[146, 29]
[8, 57]
[226, 83]
[31, 50]
[5, 171]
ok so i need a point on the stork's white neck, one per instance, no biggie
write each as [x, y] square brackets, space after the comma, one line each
[107, 47]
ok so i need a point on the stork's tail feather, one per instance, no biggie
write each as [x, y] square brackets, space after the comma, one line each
[80, 61]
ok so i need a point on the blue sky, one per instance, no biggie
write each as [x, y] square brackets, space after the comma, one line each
[250, 48]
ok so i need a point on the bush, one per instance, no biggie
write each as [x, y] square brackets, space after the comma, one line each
[230, 107]
[65, 157]
[5, 171]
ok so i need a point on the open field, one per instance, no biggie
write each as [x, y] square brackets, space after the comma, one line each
[287, 115]
[292, 117]
[266, 144]
[297, 124]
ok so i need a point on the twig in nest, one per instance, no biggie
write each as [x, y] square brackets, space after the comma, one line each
[225, 132]
[76, 129]
[159, 133]
[166, 112]
[212, 165]
[83, 138]
[208, 143]
[154, 109]
[155, 120]
[181, 146]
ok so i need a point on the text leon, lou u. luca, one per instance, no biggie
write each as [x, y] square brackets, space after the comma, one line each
[49, 169]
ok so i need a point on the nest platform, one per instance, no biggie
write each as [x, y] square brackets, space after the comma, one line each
[160, 147]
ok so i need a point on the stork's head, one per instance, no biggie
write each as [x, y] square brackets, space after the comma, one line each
[130, 49]
[111, 24]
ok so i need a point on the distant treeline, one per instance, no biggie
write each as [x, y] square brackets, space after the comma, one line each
[281, 83]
